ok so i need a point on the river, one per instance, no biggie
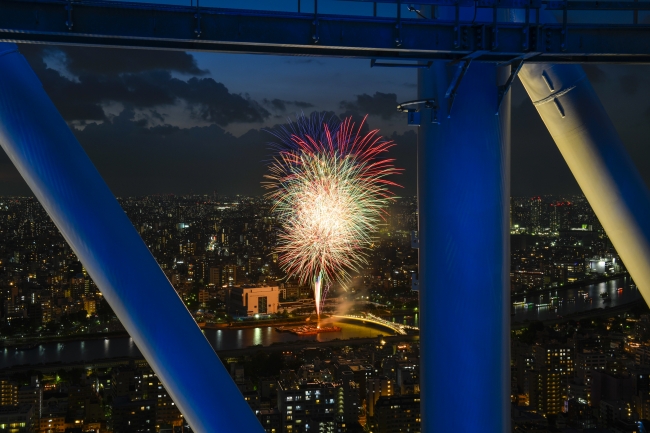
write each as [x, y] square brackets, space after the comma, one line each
[221, 339]
[620, 291]
[229, 339]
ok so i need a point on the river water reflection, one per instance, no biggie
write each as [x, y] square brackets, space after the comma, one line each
[561, 303]
[568, 301]
[221, 339]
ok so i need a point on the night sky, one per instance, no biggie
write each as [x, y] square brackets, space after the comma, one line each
[174, 122]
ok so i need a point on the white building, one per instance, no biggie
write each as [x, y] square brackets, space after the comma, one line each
[249, 300]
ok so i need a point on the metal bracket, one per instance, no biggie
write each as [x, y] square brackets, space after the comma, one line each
[503, 90]
[416, 9]
[455, 82]
[429, 104]
[69, 24]
[414, 118]
[197, 17]
[374, 63]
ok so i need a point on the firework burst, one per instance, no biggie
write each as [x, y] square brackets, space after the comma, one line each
[330, 187]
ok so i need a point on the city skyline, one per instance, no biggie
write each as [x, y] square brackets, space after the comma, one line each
[216, 247]
[166, 270]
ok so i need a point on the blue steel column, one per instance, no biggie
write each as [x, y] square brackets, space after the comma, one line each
[464, 196]
[64, 180]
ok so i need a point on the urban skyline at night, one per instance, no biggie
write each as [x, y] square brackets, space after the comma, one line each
[209, 245]
[482, 269]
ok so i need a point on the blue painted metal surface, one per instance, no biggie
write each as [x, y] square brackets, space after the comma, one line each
[159, 26]
[464, 193]
[64, 180]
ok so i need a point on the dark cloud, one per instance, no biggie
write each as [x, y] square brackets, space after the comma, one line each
[82, 99]
[629, 84]
[115, 61]
[135, 158]
[379, 104]
[138, 159]
[214, 103]
[281, 105]
[277, 104]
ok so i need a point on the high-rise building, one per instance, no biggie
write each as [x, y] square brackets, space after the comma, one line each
[536, 214]
[32, 395]
[136, 383]
[396, 414]
[317, 406]
[228, 275]
[549, 378]
[270, 420]
[90, 305]
[18, 419]
[134, 416]
[587, 362]
[377, 387]
[8, 393]
[641, 378]
[215, 276]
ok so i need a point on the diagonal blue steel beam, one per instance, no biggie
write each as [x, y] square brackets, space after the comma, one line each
[56, 168]
[155, 26]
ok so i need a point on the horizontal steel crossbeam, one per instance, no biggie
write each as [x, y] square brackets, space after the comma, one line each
[134, 25]
[578, 5]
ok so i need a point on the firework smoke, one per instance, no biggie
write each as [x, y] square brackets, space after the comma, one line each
[329, 186]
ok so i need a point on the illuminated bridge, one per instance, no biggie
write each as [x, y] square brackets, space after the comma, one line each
[467, 54]
[398, 328]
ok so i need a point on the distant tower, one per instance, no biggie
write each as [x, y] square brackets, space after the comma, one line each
[536, 214]
[555, 222]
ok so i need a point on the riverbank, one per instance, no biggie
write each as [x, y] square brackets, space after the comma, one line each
[575, 285]
[596, 312]
[27, 343]
[257, 323]
[231, 353]
[220, 339]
